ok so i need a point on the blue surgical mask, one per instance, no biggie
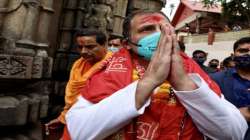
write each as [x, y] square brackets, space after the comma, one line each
[148, 44]
[113, 49]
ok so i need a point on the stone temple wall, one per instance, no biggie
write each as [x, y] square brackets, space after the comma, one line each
[37, 51]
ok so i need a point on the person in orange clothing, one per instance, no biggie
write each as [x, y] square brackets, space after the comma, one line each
[91, 44]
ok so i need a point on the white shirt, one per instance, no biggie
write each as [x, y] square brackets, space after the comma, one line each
[214, 116]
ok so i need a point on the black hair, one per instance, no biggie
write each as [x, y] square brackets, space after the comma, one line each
[226, 61]
[99, 35]
[241, 41]
[128, 19]
[198, 51]
[114, 36]
[214, 60]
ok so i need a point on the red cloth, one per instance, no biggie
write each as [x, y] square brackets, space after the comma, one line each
[160, 120]
[66, 135]
[117, 75]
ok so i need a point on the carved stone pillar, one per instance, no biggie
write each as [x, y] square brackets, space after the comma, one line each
[80, 13]
[152, 5]
[3, 10]
[99, 16]
[30, 23]
[119, 14]
[13, 23]
[44, 22]
[67, 25]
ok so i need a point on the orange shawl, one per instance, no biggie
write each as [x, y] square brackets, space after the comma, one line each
[79, 74]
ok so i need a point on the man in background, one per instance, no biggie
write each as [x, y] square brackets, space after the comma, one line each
[92, 47]
[114, 43]
[200, 57]
[213, 65]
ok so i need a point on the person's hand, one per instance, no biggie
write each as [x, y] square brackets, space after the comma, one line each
[158, 68]
[245, 112]
[178, 77]
[53, 122]
[160, 64]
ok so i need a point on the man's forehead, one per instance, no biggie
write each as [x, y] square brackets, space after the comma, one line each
[87, 39]
[115, 41]
[200, 54]
[245, 45]
[150, 18]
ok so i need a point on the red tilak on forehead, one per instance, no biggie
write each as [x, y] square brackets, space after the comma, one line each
[152, 18]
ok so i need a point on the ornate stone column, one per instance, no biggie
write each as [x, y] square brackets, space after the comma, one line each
[30, 24]
[119, 14]
[152, 5]
[99, 16]
[3, 11]
[13, 23]
[67, 24]
[44, 22]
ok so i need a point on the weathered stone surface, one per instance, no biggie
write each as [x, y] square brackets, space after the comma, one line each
[19, 67]
[3, 5]
[152, 5]
[22, 137]
[22, 109]
[41, 53]
[119, 15]
[35, 131]
[60, 62]
[44, 87]
[47, 67]
[44, 22]
[34, 105]
[60, 88]
[44, 105]
[14, 22]
[100, 17]
[13, 111]
[8, 107]
[6, 138]
[37, 68]
[31, 20]
[22, 49]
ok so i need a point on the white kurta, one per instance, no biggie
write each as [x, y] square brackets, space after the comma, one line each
[215, 117]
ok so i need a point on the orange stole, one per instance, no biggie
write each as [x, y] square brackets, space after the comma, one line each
[79, 74]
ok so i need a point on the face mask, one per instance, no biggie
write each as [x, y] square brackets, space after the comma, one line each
[113, 49]
[242, 61]
[200, 60]
[148, 44]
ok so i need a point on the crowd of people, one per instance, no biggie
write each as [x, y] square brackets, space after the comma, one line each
[144, 87]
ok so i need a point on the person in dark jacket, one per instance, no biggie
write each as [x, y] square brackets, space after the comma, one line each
[235, 82]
